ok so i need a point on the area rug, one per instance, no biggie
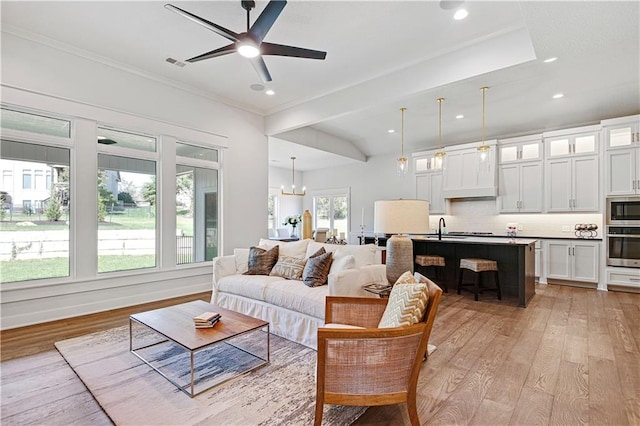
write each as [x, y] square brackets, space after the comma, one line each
[131, 393]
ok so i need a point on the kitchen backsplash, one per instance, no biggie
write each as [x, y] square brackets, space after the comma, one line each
[480, 215]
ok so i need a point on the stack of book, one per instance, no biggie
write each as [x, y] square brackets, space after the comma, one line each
[206, 319]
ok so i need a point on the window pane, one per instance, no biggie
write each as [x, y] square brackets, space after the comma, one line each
[26, 122]
[126, 140]
[199, 153]
[196, 214]
[322, 212]
[272, 215]
[126, 213]
[34, 223]
[340, 215]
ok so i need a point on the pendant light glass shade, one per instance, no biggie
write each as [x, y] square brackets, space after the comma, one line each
[438, 162]
[402, 161]
[483, 150]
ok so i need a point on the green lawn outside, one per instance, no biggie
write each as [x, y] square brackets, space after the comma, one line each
[35, 269]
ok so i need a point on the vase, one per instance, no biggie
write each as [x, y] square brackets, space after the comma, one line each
[294, 232]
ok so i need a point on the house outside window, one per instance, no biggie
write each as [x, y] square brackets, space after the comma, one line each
[26, 179]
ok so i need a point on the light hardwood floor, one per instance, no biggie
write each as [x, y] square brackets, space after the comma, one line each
[572, 357]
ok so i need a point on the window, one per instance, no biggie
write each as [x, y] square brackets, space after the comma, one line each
[126, 201]
[196, 204]
[26, 179]
[39, 180]
[272, 215]
[33, 123]
[331, 211]
[40, 250]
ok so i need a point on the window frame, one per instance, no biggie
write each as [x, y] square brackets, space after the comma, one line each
[332, 193]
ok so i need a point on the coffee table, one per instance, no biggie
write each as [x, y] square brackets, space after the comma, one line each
[169, 333]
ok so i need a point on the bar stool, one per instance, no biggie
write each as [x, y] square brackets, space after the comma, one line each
[438, 264]
[479, 266]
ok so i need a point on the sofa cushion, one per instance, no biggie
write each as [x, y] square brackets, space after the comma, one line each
[251, 286]
[261, 261]
[241, 256]
[363, 254]
[287, 248]
[296, 296]
[288, 267]
[407, 303]
[317, 268]
[342, 263]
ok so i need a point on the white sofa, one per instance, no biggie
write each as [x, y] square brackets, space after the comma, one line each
[294, 310]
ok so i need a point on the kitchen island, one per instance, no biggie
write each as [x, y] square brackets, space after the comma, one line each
[516, 260]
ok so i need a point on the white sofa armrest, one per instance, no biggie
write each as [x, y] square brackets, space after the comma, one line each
[349, 282]
[223, 266]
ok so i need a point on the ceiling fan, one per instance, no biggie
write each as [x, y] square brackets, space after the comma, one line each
[250, 44]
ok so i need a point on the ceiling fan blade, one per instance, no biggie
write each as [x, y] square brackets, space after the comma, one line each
[283, 50]
[265, 21]
[214, 53]
[261, 68]
[228, 34]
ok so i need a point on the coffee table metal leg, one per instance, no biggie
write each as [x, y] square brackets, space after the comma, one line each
[192, 374]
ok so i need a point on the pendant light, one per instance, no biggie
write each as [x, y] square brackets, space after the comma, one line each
[293, 182]
[439, 156]
[402, 161]
[483, 150]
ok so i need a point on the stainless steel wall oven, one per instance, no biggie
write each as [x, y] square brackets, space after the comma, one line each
[623, 246]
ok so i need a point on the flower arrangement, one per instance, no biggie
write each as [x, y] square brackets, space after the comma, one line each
[292, 220]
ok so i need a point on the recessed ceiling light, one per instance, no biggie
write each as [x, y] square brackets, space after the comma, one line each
[270, 92]
[558, 96]
[391, 131]
[460, 14]
[459, 116]
[257, 87]
[549, 60]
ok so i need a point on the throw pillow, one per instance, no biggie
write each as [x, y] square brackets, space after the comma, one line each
[342, 263]
[261, 261]
[288, 267]
[407, 303]
[317, 268]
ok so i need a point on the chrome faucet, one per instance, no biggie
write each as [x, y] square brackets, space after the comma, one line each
[441, 224]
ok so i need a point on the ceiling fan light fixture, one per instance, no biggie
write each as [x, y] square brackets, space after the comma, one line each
[460, 14]
[247, 49]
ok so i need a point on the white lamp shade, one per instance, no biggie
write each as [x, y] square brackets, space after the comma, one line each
[401, 217]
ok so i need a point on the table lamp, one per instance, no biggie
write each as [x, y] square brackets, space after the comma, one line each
[399, 218]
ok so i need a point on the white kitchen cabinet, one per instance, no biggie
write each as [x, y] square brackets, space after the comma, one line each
[428, 173]
[570, 145]
[572, 260]
[572, 184]
[465, 175]
[624, 278]
[429, 187]
[623, 171]
[622, 166]
[520, 187]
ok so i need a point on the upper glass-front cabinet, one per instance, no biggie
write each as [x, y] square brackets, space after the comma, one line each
[578, 144]
[519, 149]
[623, 135]
[427, 162]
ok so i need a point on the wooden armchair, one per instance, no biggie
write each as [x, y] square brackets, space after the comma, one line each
[370, 366]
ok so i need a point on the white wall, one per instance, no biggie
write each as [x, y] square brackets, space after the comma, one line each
[54, 74]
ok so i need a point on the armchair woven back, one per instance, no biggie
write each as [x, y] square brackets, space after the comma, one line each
[371, 366]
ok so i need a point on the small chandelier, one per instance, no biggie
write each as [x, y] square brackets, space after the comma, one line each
[293, 182]
[402, 161]
[439, 156]
[483, 150]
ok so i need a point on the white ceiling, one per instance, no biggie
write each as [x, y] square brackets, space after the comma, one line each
[381, 55]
